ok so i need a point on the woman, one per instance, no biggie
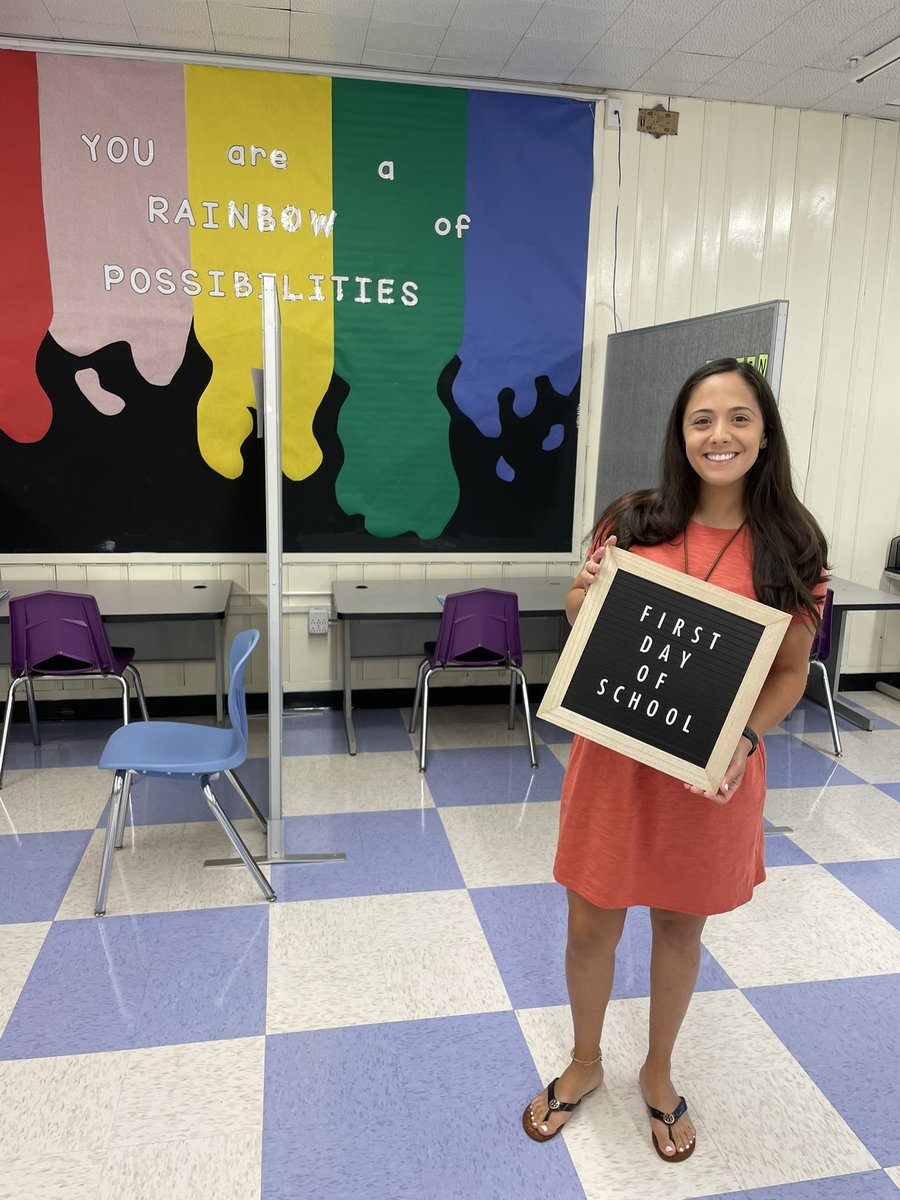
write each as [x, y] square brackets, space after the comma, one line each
[724, 510]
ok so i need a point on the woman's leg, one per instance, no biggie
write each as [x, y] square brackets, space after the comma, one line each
[590, 963]
[674, 963]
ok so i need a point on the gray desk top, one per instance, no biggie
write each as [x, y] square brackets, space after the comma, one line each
[538, 596]
[849, 595]
[151, 600]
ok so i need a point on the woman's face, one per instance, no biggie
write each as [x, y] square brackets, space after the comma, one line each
[723, 429]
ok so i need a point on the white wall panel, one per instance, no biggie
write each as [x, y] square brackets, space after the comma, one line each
[747, 203]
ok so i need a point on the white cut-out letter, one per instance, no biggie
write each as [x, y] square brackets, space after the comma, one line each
[385, 169]
[157, 207]
[235, 156]
[291, 218]
[111, 275]
[265, 220]
[91, 144]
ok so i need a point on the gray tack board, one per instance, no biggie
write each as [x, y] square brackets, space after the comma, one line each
[646, 367]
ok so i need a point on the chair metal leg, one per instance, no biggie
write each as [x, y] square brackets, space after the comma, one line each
[126, 714]
[521, 675]
[123, 809]
[132, 670]
[247, 799]
[235, 838]
[418, 694]
[835, 732]
[32, 712]
[512, 699]
[424, 737]
[112, 824]
[7, 717]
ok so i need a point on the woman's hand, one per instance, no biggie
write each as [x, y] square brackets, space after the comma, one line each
[591, 568]
[731, 780]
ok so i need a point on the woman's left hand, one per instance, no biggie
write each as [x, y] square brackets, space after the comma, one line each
[731, 781]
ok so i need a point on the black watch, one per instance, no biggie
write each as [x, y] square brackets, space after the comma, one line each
[752, 739]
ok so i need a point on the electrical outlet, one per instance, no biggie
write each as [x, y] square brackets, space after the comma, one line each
[318, 620]
[613, 114]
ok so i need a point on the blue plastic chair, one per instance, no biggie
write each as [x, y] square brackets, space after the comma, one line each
[181, 751]
[479, 631]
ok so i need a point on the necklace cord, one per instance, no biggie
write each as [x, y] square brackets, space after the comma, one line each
[715, 561]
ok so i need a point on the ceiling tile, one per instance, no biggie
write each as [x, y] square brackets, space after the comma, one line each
[416, 12]
[469, 43]
[398, 62]
[803, 88]
[742, 80]
[477, 68]
[808, 35]
[734, 25]
[236, 19]
[96, 32]
[104, 12]
[186, 16]
[862, 97]
[361, 10]
[500, 16]
[537, 58]
[569, 24]
[175, 39]
[257, 47]
[405, 39]
[646, 24]
[608, 65]
[338, 39]
[889, 112]
[680, 74]
[24, 18]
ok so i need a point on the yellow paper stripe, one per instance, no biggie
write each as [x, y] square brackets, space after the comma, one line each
[229, 113]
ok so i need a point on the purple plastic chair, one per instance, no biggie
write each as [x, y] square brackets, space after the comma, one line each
[479, 631]
[818, 655]
[61, 635]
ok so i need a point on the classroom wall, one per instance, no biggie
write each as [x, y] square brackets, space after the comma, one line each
[748, 203]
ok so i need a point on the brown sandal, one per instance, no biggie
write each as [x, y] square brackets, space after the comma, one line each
[669, 1120]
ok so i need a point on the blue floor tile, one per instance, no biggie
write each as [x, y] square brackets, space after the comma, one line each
[526, 929]
[323, 732]
[449, 1127]
[790, 763]
[158, 801]
[892, 789]
[782, 852]
[852, 1060]
[152, 980]
[387, 852]
[876, 882]
[63, 744]
[35, 872]
[493, 775]
[549, 733]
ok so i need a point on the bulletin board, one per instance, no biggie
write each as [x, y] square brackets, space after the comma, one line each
[645, 369]
[430, 247]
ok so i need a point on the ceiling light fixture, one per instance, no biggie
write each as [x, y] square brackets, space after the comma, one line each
[864, 67]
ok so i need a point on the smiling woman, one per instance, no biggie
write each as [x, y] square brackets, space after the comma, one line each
[630, 835]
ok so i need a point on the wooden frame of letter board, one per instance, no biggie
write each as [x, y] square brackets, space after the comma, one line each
[709, 776]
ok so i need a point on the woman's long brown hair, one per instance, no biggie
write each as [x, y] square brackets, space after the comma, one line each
[789, 548]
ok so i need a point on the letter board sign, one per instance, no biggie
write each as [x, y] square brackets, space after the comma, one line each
[663, 667]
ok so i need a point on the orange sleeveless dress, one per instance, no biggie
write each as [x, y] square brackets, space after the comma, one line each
[630, 835]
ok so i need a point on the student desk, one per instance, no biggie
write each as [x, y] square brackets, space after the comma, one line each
[164, 621]
[851, 597]
[393, 618]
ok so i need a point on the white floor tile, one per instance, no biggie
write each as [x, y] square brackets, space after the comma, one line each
[227, 1167]
[874, 757]
[73, 1176]
[876, 702]
[63, 1105]
[19, 946]
[893, 1173]
[500, 844]
[160, 869]
[378, 958]
[313, 784]
[801, 925]
[838, 824]
[562, 750]
[190, 1091]
[465, 726]
[36, 801]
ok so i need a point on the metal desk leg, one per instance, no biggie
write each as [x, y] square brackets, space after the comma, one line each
[220, 671]
[833, 671]
[348, 688]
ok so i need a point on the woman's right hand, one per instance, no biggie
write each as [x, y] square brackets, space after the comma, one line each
[591, 568]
